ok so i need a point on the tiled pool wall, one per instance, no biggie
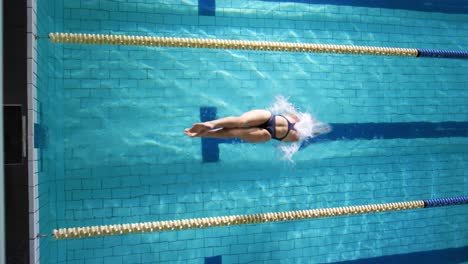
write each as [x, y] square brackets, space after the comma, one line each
[47, 102]
[165, 183]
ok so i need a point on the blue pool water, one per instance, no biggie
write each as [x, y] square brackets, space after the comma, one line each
[116, 153]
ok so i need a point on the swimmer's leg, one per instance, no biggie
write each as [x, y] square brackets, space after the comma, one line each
[249, 119]
[253, 135]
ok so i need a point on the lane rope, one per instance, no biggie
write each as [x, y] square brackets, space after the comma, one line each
[132, 40]
[194, 223]
[78, 38]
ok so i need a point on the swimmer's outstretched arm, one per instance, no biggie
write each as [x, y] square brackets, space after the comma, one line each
[199, 129]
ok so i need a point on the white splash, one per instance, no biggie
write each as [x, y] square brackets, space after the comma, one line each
[307, 126]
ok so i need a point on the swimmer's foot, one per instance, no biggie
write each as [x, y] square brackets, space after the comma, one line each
[199, 129]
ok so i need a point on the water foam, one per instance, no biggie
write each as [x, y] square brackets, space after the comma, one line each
[307, 126]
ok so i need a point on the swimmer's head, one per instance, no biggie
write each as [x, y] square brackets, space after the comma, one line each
[307, 126]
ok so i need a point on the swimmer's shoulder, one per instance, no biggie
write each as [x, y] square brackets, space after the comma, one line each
[293, 118]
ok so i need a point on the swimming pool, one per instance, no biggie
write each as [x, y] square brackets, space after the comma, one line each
[114, 150]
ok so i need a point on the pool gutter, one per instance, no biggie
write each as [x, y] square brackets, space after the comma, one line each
[33, 190]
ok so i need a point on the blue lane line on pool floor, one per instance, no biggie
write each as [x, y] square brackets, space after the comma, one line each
[214, 260]
[350, 131]
[403, 130]
[446, 256]
[40, 136]
[206, 7]
[444, 6]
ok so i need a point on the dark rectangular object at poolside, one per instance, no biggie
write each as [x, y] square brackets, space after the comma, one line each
[13, 134]
[444, 6]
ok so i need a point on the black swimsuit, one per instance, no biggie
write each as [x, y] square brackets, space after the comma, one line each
[270, 126]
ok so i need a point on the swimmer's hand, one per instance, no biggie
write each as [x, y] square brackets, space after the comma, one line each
[322, 130]
[199, 129]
